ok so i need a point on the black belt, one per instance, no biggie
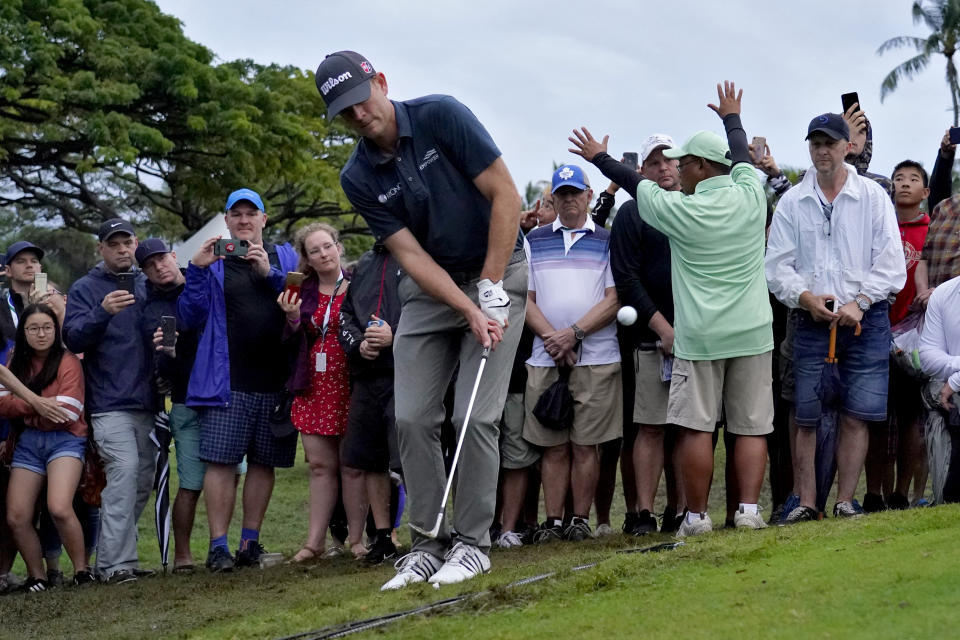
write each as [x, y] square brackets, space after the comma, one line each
[464, 277]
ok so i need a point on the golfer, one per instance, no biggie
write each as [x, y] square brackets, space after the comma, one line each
[429, 181]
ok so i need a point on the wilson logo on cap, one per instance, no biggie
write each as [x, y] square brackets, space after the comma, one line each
[332, 82]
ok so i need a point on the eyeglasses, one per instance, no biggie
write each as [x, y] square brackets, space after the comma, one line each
[684, 164]
[38, 329]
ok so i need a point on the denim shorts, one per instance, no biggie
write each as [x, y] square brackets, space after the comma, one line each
[862, 361]
[36, 449]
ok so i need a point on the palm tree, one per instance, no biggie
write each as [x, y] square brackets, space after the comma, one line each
[943, 19]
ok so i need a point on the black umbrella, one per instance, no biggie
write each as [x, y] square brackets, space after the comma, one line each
[161, 484]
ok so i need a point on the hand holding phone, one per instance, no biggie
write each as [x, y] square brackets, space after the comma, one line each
[125, 282]
[293, 282]
[168, 326]
[40, 283]
[850, 99]
[759, 145]
[631, 159]
[954, 135]
[231, 247]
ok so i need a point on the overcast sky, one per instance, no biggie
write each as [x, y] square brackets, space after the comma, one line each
[534, 70]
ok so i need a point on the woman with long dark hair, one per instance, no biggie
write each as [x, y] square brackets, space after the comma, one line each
[46, 448]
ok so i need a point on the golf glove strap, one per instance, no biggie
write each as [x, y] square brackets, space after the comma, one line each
[494, 301]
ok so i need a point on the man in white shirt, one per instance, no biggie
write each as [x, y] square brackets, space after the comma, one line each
[834, 240]
[940, 339]
[571, 304]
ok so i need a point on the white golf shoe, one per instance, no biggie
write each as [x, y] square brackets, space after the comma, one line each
[463, 561]
[413, 567]
[748, 520]
[695, 528]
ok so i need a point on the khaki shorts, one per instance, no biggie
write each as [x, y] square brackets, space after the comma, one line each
[597, 405]
[744, 386]
[515, 452]
[652, 394]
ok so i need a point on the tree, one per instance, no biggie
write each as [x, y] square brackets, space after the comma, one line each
[107, 109]
[942, 17]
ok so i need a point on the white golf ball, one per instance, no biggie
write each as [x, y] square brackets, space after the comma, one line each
[627, 315]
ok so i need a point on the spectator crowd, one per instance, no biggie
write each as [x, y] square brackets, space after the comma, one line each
[804, 317]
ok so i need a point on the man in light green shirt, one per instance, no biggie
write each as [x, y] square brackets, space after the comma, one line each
[723, 333]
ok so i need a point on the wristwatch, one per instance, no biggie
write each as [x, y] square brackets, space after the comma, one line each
[578, 333]
[862, 302]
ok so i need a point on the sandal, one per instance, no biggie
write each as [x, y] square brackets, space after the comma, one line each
[306, 555]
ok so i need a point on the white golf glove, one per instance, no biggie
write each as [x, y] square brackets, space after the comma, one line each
[494, 301]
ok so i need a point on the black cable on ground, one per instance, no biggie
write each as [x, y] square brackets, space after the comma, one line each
[349, 628]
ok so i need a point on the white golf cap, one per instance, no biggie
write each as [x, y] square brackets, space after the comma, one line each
[654, 142]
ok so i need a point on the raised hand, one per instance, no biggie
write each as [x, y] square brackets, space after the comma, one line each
[585, 146]
[729, 99]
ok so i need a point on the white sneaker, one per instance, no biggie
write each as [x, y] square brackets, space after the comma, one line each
[603, 530]
[413, 567]
[748, 520]
[509, 540]
[463, 562]
[696, 528]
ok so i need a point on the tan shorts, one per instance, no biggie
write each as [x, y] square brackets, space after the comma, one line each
[652, 394]
[515, 452]
[597, 405]
[744, 386]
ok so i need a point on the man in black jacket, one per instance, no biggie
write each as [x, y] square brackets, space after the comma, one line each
[368, 316]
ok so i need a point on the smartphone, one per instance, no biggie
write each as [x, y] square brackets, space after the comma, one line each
[631, 158]
[294, 280]
[954, 135]
[125, 282]
[759, 148]
[168, 326]
[230, 247]
[849, 99]
[40, 282]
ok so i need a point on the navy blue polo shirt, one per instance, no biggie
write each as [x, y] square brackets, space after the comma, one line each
[427, 185]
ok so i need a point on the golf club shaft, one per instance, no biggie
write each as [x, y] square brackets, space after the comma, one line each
[456, 453]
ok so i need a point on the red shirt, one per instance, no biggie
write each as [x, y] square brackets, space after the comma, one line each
[913, 234]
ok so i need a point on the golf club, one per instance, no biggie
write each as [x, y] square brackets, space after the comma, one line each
[432, 533]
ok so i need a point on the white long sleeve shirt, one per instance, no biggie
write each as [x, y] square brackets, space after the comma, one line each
[857, 250]
[940, 338]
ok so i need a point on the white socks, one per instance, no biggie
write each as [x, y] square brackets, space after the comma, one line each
[749, 508]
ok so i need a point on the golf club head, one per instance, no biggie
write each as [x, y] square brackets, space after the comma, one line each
[432, 533]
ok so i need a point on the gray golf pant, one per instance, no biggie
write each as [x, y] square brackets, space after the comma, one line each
[432, 338]
[129, 459]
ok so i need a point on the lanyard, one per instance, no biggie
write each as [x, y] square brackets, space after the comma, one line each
[383, 276]
[326, 315]
[13, 309]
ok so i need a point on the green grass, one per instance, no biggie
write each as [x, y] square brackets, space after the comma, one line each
[888, 575]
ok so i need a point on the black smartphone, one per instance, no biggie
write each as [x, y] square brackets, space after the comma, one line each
[849, 99]
[954, 135]
[631, 158]
[168, 326]
[125, 282]
[230, 247]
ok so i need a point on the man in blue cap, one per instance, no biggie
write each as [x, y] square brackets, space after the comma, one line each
[571, 305]
[239, 372]
[430, 182]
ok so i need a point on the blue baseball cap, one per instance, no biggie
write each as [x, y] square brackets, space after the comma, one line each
[831, 124]
[150, 247]
[20, 247]
[244, 194]
[569, 175]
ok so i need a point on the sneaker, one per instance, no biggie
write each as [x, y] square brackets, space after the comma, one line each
[463, 561]
[219, 560]
[742, 520]
[646, 523]
[55, 578]
[629, 522]
[413, 567]
[897, 501]
[508, 540]
[872, 503]
[696, 528]
[382, 549]
[83, 578]
[144, 573]
[670, 521]
[122, 576]
[789, 506]
[578, 530]
[847, 509]
[528, 533]
[800, 514]
[920, 502]
[249, 556]
[603, 530]
[548, 532]
[34, 585]
[9, 582]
